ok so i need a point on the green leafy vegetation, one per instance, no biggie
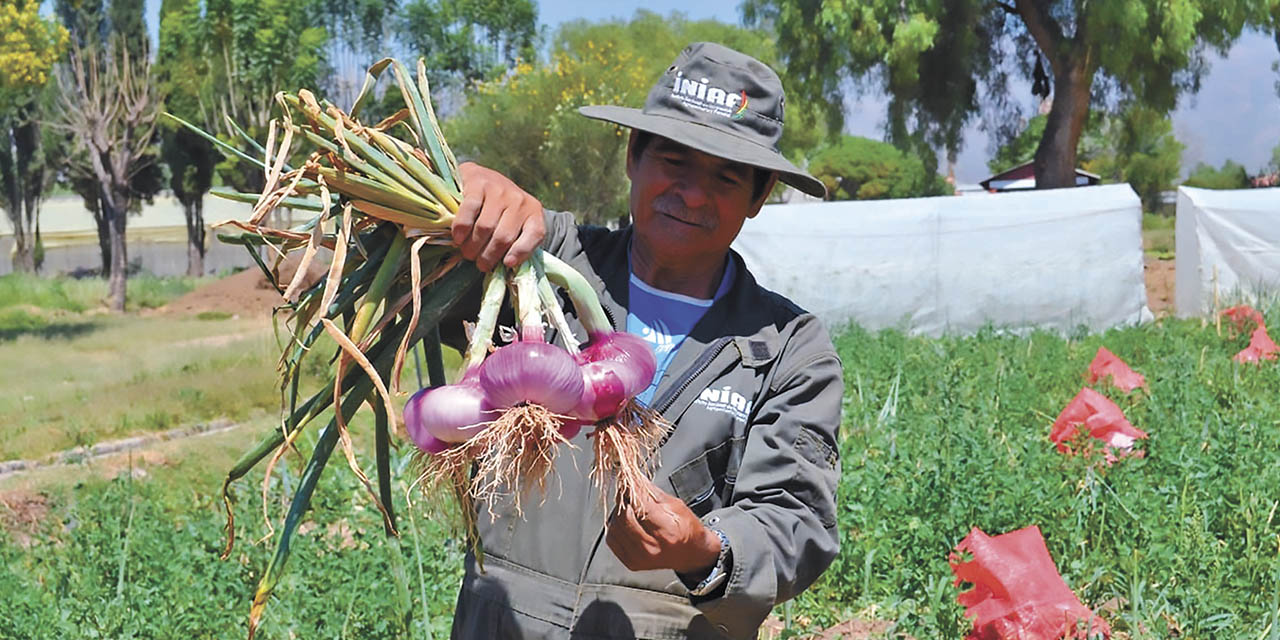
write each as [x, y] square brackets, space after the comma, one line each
[858, 168]
[146, 291]
[1232, 175]
[139, 558]
[939, 436]
[948, 434]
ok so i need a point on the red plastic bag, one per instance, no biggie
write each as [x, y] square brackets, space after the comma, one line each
[1106, 364]
[1244, 315]
[1261, 347]
[1102, 419]
[1017, 592]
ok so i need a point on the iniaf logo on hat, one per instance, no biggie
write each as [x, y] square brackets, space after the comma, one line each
[701, 95]
[718, 101]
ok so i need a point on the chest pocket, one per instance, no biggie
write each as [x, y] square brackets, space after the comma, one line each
[706, 482]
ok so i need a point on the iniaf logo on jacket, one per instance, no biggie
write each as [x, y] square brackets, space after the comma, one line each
[724, 400]
[702, 96]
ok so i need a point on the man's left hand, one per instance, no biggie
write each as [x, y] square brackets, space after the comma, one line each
[662, 533]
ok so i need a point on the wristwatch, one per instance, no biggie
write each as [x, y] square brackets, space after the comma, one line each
[719, 572]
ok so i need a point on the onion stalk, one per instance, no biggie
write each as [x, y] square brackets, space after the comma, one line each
[384, 207]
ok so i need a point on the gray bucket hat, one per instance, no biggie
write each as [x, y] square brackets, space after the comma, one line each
[721, 102]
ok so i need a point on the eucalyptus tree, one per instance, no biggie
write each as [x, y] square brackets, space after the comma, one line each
[942, 63]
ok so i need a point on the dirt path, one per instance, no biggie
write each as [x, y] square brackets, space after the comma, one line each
[1159, 276]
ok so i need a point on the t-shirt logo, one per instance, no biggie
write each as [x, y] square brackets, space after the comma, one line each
[724, 400]
[658, 335]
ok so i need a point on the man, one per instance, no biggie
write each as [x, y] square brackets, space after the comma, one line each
[744, 514]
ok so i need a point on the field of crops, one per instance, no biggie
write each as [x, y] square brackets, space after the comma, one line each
[939, 436]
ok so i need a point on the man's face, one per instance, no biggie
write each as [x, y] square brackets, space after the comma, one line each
[688, 205]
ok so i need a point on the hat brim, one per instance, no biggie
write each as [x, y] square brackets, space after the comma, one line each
[709, 140]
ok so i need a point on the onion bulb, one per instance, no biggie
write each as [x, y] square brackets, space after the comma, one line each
[531, 372]
[616, 366]
[439, 416]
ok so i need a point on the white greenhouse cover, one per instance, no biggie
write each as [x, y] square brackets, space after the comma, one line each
[1057, 259]
[1228, 247]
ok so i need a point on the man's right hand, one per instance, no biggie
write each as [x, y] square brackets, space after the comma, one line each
[497, 220]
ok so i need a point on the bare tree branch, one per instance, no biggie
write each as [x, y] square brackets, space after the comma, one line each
[111, 107]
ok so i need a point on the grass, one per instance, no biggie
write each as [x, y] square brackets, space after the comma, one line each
[102, 377]
[1158, 236]
[939, 436]
[139, 558]
[62, 294]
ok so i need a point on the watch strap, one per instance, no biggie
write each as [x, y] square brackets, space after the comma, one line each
[719, 571]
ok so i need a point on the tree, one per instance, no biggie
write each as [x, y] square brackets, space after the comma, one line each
[110, 105]
[1232, 175]
[526, 124]
[182, 72]
[932, 57]
[28, 51]
[1142, 151]
[857, 168]
[358, 34]
[92, 24]
[464, 41]
[257, 48]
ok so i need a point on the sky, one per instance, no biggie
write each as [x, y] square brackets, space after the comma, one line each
[1236, 114]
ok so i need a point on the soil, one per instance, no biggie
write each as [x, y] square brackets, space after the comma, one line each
[245, 294]
[21, 515]
[1159, 276]
[773, 628]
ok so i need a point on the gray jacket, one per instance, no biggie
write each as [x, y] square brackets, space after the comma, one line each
[754, 393]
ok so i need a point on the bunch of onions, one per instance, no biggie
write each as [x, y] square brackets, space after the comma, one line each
[382, 197]
[514, 407]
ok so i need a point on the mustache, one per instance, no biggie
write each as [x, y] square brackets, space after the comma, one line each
[671, 204]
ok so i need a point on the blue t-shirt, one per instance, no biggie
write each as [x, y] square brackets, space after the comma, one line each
[663, 319]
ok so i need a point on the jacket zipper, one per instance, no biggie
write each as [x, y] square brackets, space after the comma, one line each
[698, 367]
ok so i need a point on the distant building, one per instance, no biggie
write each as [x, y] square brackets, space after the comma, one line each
[1022, 178]
[1265, 180]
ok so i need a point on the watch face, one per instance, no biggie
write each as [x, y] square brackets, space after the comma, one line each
[710, 583]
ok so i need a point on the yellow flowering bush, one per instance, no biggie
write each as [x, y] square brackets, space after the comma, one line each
[29, 45]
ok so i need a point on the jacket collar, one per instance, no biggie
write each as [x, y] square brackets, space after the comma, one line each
[744, 313]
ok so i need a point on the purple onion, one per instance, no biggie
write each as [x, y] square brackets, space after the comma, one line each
[440, 416]
[531, 372]
[615, 367]
[634, 356]
[571, 428]
[603, 392]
